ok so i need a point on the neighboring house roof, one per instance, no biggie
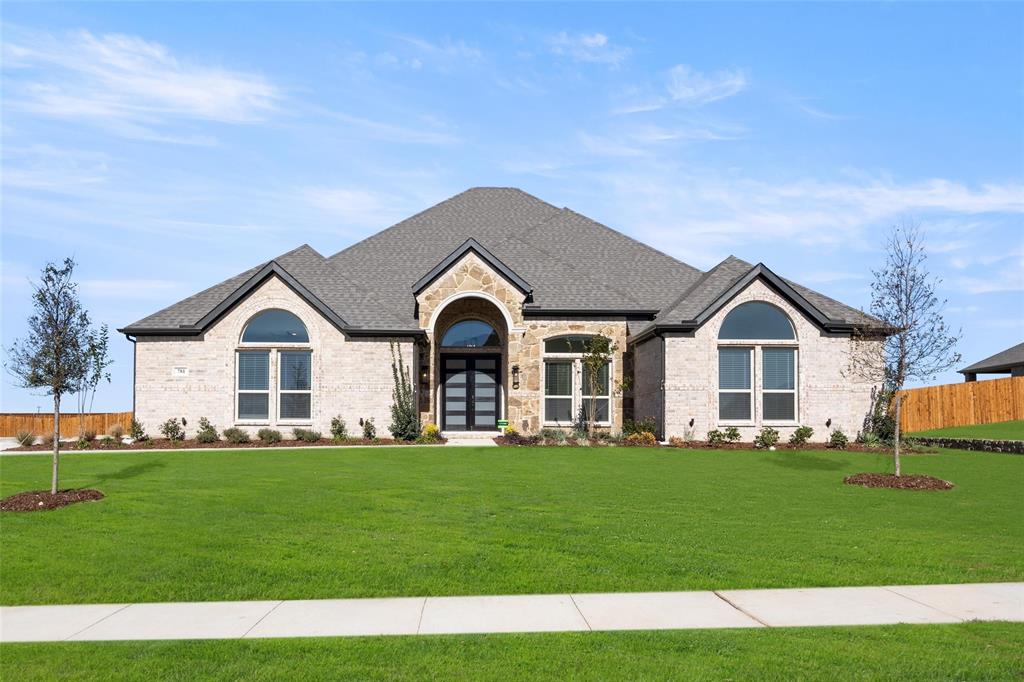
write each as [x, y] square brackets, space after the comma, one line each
[1001, 362]
[564, 262]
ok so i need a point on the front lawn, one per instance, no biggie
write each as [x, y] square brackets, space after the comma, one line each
[292, 524]
[968, 651]
[1013, 430]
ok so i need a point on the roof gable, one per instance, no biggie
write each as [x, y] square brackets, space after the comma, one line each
[472, 246]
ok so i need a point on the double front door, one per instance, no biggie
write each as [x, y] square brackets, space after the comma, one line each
[469, 392]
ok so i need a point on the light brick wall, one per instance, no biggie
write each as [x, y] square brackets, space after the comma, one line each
[351, 376]
[826, 388]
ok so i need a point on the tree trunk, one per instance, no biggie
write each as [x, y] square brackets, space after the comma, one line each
[56, 444]
[896, 436]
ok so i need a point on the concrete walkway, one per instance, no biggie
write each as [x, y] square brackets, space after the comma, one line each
[521, 613]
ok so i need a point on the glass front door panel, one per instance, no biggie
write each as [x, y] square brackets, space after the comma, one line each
[471, 395]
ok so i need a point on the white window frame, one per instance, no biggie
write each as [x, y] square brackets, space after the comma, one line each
[238, 391]
[749, 391]
[566, 360]
[576, 360]
[585, 397]
[796, 385]
[280, 391]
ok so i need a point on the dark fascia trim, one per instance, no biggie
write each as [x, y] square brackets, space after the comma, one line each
[789, 293]
[385, 332]
[991, 369]
[268, 270]
[487, 256]
[630, 313]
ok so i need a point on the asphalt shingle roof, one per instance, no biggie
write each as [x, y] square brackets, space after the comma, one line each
[571, 261]
[1001, 361]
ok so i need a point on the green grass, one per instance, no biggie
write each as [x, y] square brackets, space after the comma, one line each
[290, 524]
[970, 651]
[1013, 430]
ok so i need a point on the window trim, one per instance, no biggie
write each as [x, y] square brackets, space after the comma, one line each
[569, 397]
[272, 344]
[239, 391]
[752, 419]
[296, 421]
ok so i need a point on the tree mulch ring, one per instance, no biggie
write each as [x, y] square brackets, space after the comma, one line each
[898, 482]
[42, 500]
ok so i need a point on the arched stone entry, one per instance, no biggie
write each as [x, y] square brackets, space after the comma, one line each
[468, 391]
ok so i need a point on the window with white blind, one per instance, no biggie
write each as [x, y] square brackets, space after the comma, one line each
[253, 385]
[295, 386]
[600, 398]
[778, 384]
[735, 384]
[558, 391]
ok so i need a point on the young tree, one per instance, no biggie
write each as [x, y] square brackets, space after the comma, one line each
[53, 355]
[405, 416]
[903, 296]
[597, 355]
[97, 359]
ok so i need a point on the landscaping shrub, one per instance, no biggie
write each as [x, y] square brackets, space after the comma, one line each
[642, 439]
[732, 434]
[339, 430]
[369, 428]
[117, 432]
[677, 442]
[715, 438]
[432, 432]
[47, 440]
[647, 424]
[173, 430]
[869, 439]
[838, 440]
[138, 431]
[206, 432]
[82, 443]
[767, 438]
[884, 426]
[269, 436]
[306, 435]
[801, 435]
[236, 435]
[556, 435]
[405, 414]
[25, 437]
[88, 436]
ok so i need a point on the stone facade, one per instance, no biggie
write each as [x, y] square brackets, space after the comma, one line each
[826, 388]
[351, 375]
[472, 289]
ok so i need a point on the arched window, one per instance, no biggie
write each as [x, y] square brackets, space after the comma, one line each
[756, 320]
[470, 334]
[275, 326]
[568, 386]
[739, 384]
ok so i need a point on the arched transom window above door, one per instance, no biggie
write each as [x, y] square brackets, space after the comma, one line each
[470, 334]
[757, 366]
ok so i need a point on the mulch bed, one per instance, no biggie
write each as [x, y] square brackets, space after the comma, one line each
[165, 444]
[42, 500]
[898, 482]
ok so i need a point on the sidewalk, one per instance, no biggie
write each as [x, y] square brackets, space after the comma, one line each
[519, 613]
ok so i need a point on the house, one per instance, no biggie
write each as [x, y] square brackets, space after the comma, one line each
[1009, 361]
[490, 296]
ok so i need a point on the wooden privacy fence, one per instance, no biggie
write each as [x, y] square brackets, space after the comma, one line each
[972, 402]
[42, 423]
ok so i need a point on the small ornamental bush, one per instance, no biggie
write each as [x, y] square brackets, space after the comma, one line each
[630, 426]
[767, 438]
[432, 433]
[884, 426]
[269, 436]
[138, 431]
[88, 436]
[339, 430]
[677, 442]
[206, 432]
[306, 435]
[870, 439]
[236, 435]
[25, 437]
[117, 433]
[82, 443]
[732, 434]
[801, 435]
[369, 428]
[47, 440]
[838, 440]
[715, 438]
[642, 439]
[173, 430]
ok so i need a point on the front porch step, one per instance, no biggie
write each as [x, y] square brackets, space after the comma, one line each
[474, 438]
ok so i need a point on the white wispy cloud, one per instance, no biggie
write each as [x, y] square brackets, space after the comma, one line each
[392, 132]
[689, 86]
[358, 206]
[130, 85]
[594, 48]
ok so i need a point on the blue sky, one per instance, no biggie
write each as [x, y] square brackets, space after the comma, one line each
[169, 146]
